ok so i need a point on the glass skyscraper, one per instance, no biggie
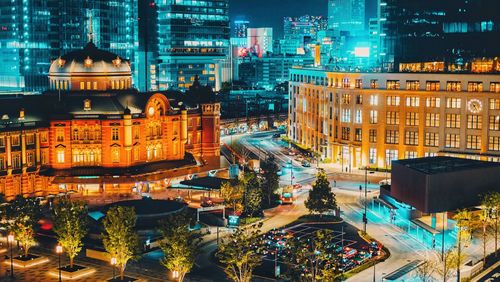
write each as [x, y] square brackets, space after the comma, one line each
[193, 35]
[460, 34]
[34, 32]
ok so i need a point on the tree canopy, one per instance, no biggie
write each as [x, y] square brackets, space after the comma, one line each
[179, 244]
[321, 198]
[70, 226]
[120, 239]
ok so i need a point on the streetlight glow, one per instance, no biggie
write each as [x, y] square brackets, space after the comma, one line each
[59, 249]
[10, 238]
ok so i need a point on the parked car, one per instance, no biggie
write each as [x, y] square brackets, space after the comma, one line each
[306, 164]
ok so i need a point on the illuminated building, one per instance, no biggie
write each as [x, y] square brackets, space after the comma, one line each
[32, 32]
[91, 133]
[240, 29]
[270, 70]
[370, 119]
[347, 15]
[304, 28]
[192, 36]
[453, 32]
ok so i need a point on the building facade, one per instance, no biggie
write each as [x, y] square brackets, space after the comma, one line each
[192, 36]
[450, 31]
[347, 15]
[92, 133]
[370, 119]
[34, 32]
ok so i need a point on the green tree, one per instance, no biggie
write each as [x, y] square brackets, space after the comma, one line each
[120, 239]
[313, 259]
[271, 179]
[465, 223]
[179, 244]
[490, 203]
[22, 216]
[449, 263]
[321, 198]
[233, 196]
[70, 226]
[239, 253]
[253, 193]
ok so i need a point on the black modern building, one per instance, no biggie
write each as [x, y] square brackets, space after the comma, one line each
[455, 32]
[440, 184]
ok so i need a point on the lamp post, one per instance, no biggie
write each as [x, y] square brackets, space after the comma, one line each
[365, 219]
[10, 240]
[59, 251]
[113, 263]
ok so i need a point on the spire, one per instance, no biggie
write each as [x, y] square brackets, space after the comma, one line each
[91, 28]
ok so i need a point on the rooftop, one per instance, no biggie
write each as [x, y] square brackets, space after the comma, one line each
[436, 165]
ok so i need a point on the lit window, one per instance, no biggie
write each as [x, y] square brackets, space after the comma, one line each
[60, 156]
[391, 136]
[411, 138]
[452, 141]
[431, 139]
[432, 120]
[473, 142]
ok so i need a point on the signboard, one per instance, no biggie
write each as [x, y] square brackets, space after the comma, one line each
[233, 220]
[203, 209]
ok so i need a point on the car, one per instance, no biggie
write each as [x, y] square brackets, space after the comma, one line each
[279, 172]
[277, 135]
[385, 182]
[306, 164]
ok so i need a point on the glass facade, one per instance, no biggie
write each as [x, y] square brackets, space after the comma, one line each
[34, 32]
[192, 36]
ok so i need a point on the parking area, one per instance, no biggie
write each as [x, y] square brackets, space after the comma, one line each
[345, 242]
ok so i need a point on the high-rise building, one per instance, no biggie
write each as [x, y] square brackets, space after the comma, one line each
[240, 29]
[347, 15]
[192, 36]
[260, 40]
[456, 35]
[33, 32]
[303, 30]
[147, 52]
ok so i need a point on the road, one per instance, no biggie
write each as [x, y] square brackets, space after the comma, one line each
[403, 248]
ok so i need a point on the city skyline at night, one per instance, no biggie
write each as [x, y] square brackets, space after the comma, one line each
[231, 140]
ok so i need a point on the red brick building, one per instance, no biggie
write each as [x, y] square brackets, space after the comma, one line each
[92, 133]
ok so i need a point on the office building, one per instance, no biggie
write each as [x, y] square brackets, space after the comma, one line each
[347, 15]
[448, 35]
[268, 71]
[91, 133]
[34, 32]
[240, 29]
[192, 36]
[371, 119]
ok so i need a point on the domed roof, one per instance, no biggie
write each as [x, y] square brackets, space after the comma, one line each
[89, 60]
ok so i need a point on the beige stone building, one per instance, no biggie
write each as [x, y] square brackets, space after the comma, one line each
[370, 119]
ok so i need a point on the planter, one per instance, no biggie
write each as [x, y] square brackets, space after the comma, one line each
[76, 272]
[27, 261]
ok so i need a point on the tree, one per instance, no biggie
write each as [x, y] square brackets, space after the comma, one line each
[233, 196]
[425, 271]
[271, 179]
[179, 244]
[253, 193]
[465, 224]
[240, 253]
[313, 259]
[483, 224]
[22, 215]
[120, 240]
[321, 198]
[449, 262]
[491, 205]
[70, 226]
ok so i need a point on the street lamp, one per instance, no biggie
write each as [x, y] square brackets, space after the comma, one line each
[10, 240]
[59, 251]
[113, 263]
[365, 219]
